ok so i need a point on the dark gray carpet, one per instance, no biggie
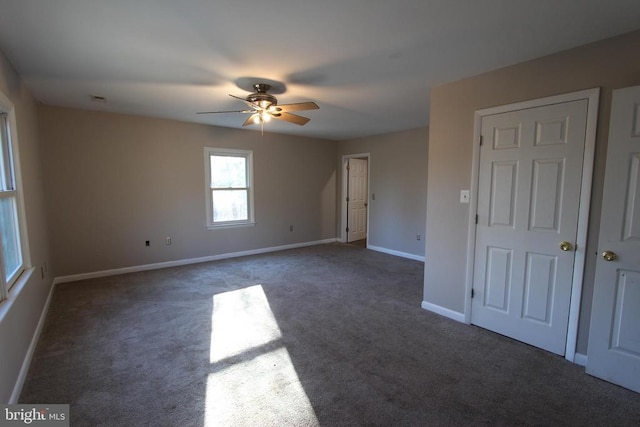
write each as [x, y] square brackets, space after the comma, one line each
[326, 335]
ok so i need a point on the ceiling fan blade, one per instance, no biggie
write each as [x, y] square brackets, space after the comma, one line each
[232, 111]
[244, 100]
[296, 107]
[292, 118]
[249, 120]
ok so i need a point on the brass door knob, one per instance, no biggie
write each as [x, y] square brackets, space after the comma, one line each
[609, 256]
[566, 246]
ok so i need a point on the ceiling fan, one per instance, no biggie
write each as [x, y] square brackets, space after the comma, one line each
[264, 107]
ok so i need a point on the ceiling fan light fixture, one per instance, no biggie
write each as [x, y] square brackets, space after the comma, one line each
[261, 117]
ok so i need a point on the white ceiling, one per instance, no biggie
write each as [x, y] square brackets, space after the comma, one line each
[368, 64]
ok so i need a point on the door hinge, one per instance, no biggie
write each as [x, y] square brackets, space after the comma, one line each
[472, 293]
[347, 198]
[480, 140]
[347, 229]
[476, 219]
[348, 166]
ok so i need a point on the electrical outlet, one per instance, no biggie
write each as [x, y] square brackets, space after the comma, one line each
[167, 240]
[147, 243]
[417, 237]
[291, 228]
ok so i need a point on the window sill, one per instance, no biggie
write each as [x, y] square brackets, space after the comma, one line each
[15, 291]
[230, 225]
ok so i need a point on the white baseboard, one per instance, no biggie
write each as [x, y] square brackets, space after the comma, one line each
[26, 363]
[180, 262]
[580, 359]
[396, 253]
[443, 311]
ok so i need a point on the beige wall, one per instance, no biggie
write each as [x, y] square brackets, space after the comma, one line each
[398, 177]
[114, 181]
[609, 64]
[19, 314]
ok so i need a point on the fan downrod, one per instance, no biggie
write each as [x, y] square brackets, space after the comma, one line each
[261, 87]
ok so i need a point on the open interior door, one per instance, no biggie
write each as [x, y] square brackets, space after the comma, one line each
[357, 201]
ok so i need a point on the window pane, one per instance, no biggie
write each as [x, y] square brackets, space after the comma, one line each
[5, 157]
[10, 243]
[230, 205]
[228, 171]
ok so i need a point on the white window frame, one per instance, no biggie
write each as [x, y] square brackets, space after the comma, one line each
[15, 191]
[248, 155]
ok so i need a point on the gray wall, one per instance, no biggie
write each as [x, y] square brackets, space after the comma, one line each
[19, 314]
[609, 64]
[114, 181]
[398, 177]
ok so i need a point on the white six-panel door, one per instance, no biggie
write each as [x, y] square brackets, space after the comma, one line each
[614, 335]
[528, 203]
[358, 196]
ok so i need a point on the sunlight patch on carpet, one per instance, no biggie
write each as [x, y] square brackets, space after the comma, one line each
[253, 380]
[241, 320]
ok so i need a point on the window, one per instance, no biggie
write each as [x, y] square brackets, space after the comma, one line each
[11, 259]
[229, 187]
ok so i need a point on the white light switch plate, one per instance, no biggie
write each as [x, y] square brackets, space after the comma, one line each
[464, 196]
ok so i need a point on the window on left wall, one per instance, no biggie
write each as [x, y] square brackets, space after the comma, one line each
[11, 255]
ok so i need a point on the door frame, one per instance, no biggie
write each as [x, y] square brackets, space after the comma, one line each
[592, 96]
[344, 193]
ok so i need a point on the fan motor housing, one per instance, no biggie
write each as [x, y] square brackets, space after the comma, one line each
[264, 100]
[261, 97]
